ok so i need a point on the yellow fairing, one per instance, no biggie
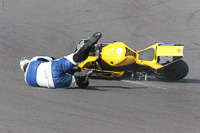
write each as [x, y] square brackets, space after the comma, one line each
[152, 64]
[87, 62]
[159, 51]
[118, 54]
[170, 50]
[112, 74]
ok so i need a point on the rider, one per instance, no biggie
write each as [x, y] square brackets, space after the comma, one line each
[46, 71]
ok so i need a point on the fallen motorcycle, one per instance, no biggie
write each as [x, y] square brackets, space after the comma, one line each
[114, 60]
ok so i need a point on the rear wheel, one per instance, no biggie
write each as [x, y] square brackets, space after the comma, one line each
[175, 71]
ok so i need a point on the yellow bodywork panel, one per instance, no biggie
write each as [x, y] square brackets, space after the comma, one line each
[118, 54]
[87, 61]
[170, 50]
[113, 74]
[160, 51]
[152, 64]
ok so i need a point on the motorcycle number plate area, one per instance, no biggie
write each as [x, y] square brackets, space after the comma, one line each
[170, 50]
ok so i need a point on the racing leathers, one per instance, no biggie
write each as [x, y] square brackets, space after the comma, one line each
[45, 71]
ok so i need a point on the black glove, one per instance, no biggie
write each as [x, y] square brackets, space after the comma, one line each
[82, 82]
[82, 79]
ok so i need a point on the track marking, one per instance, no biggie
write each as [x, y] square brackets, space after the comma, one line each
[144, 84]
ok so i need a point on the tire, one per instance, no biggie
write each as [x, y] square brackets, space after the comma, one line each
[175, 71]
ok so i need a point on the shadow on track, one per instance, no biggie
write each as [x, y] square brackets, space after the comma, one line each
[107, 88]
[158, 80]
[188, 81]
[177, 81]
[101, 88]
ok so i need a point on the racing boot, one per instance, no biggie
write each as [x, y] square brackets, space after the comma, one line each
[83, 52]
[82, 79]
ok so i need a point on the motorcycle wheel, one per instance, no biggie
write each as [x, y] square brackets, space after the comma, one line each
[175, 71]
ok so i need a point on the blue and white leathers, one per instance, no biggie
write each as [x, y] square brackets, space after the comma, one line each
[50, 73]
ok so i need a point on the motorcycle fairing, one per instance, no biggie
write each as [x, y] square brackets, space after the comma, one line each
[163, 55]
[118, 54]
[87, 62]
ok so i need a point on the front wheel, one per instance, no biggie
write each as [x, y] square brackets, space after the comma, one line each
[175, 71]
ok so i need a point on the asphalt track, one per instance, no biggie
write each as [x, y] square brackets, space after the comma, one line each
[54, 27]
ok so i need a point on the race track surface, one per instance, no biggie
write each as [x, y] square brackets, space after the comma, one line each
[54, 27]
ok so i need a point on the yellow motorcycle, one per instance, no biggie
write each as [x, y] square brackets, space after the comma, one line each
[116, 59]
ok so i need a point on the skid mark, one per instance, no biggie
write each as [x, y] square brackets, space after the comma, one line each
[191, 17]
[3, 5]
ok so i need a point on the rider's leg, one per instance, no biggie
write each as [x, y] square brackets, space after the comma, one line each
[81, 55]
[66, 63]
[61, 79]
[83, 52]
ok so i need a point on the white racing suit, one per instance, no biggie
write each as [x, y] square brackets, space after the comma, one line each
[43, 71]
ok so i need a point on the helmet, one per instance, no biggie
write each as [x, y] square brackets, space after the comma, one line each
[24, 62]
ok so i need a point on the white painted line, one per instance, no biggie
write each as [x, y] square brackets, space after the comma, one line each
[144, 84]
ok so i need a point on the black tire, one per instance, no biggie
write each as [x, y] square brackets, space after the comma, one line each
[175, 71]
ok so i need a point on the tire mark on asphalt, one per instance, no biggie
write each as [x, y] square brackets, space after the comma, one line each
[197, 44]
[3, 5]
[134, 4]
[191, 17]
[157, 3]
